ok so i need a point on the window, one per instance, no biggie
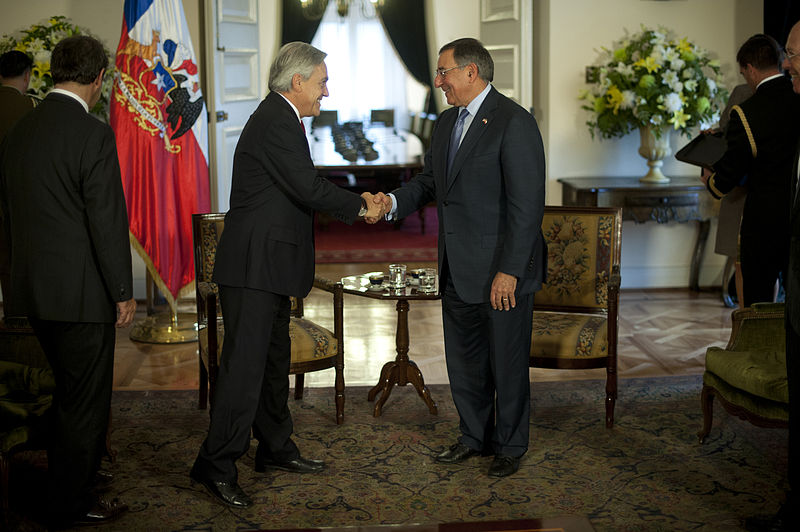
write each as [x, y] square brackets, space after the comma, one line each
[365, 71]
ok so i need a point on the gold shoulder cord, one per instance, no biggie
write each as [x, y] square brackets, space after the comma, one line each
[746, 129]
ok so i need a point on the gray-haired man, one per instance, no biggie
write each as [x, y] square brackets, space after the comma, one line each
[266, 255]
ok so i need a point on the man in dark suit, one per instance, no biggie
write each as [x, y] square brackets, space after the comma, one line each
[788, 518]
[266, 255]
[67, 224]
[15, 74]
[485, 170]
[761, 135]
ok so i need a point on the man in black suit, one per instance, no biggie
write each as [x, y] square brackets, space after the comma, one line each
[15, 74]
[761, 135]
[485, 170]
[788, 518]
[67, 224]
[266, 255]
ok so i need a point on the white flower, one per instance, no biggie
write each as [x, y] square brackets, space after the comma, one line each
[690, 85]
[656, 120]
[677, 86]
[673, 102]
[669, 77]
[688, 73]
[35, 45]
[658, 54]
[712, 86]
[36, 84]
[628, 99]
[625, 70]
[42, 56]
[677, 63]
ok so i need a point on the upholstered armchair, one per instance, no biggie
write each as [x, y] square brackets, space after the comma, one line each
[314, 347]
[575, 313]
[748, 376]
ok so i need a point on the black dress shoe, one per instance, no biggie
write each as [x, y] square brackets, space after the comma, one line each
[101, 512]
[504, 465]
[227, 492]
[298, 465]
[102, 481]
[456, 453]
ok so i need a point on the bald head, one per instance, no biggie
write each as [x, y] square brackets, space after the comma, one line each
[791, 63]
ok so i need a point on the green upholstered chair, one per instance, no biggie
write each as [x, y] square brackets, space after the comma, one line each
[26, 394]
[314, 347]
[575, 313]
[748, 376]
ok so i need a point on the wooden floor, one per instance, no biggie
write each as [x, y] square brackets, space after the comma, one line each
[661, 332]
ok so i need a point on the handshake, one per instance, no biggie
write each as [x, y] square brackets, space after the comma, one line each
[378, 205]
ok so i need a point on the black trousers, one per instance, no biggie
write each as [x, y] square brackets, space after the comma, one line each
[82, 358]
[762, 260]
[487, 353]
[252, 388]
[793, 378]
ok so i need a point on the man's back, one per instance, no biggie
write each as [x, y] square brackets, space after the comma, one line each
[13, 106]
[68, 223]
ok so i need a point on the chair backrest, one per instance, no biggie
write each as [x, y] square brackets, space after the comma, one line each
[206, 230]
[583, 252]
[325, 118]
[384, 116]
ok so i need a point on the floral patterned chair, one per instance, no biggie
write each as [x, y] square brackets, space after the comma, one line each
[575, 313]
[314, 347]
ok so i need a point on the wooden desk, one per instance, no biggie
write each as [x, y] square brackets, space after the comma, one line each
[401, 370]
[681, 200]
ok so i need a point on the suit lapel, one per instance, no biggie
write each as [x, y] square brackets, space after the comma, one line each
[441, 142]
[479, 124]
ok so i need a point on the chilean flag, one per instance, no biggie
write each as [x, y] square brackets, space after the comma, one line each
[159, 117]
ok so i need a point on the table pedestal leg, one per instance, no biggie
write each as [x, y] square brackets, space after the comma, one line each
[401, 370]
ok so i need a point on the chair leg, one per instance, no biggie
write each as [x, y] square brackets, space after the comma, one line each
[707, 403]
[298, 385]
[611, 396]
[203, 400]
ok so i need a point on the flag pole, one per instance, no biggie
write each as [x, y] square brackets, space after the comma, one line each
[164, 327]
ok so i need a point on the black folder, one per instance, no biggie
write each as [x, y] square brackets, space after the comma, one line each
[704, 150]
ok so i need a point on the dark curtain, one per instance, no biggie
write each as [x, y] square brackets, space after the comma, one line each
[404, 21]
[779, 17]
[295, 26]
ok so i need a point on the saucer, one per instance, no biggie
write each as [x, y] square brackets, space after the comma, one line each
[375, 288]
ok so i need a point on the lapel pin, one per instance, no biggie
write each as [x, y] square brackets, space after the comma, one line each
[485, 121]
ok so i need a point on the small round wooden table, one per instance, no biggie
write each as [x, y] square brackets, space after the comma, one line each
[401, 370]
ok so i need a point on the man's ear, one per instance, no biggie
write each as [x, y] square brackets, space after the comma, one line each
[297, 81]
[99, 79]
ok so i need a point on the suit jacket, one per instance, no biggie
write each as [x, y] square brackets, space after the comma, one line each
[491, 204]
[268, 242]
[792, 283]
[67, 222]
[762, 135]
[13, 106]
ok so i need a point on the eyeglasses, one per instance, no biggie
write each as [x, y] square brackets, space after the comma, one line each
[443, 71]
[788, 54]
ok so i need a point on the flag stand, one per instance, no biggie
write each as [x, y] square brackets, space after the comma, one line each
[164, 326]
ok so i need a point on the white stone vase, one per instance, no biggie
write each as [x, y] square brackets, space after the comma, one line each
[654, 147]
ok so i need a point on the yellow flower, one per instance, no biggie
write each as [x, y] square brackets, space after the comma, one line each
[649, 63]
[41, 68]
[53, 21]
[684, 45]
[614, 98]
[679, 119]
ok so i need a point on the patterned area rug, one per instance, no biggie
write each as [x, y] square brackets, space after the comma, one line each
[647, 473]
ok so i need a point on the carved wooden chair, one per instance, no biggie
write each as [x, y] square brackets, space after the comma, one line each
[314, 347]
[749, 375]
[575, 313]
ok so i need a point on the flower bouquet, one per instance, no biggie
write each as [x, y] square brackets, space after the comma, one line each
[38, 42]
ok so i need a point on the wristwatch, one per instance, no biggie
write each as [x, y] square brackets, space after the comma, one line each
[363, 211]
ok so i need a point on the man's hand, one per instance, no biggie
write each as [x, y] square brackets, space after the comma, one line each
[502, 294]
[374, 208]
[380, 197]
[705, 175]
[125, 312]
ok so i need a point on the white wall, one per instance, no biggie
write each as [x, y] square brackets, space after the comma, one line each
[567, 35]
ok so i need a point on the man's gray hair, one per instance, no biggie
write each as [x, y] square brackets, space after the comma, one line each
[293, 58]
[468, 50]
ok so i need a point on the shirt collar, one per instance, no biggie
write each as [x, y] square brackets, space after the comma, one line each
[477, 101]
[769, 79]
[296, 112]
[72, 95]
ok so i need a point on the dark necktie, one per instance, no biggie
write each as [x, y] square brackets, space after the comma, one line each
[302, 125]
[455, 139]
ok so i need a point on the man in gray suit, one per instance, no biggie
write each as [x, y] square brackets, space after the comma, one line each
[485, 169]
[67, 225]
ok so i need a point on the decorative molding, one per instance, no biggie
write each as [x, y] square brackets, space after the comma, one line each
[494, 10]
[241, 11]
[242, 65]
[506, 57]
